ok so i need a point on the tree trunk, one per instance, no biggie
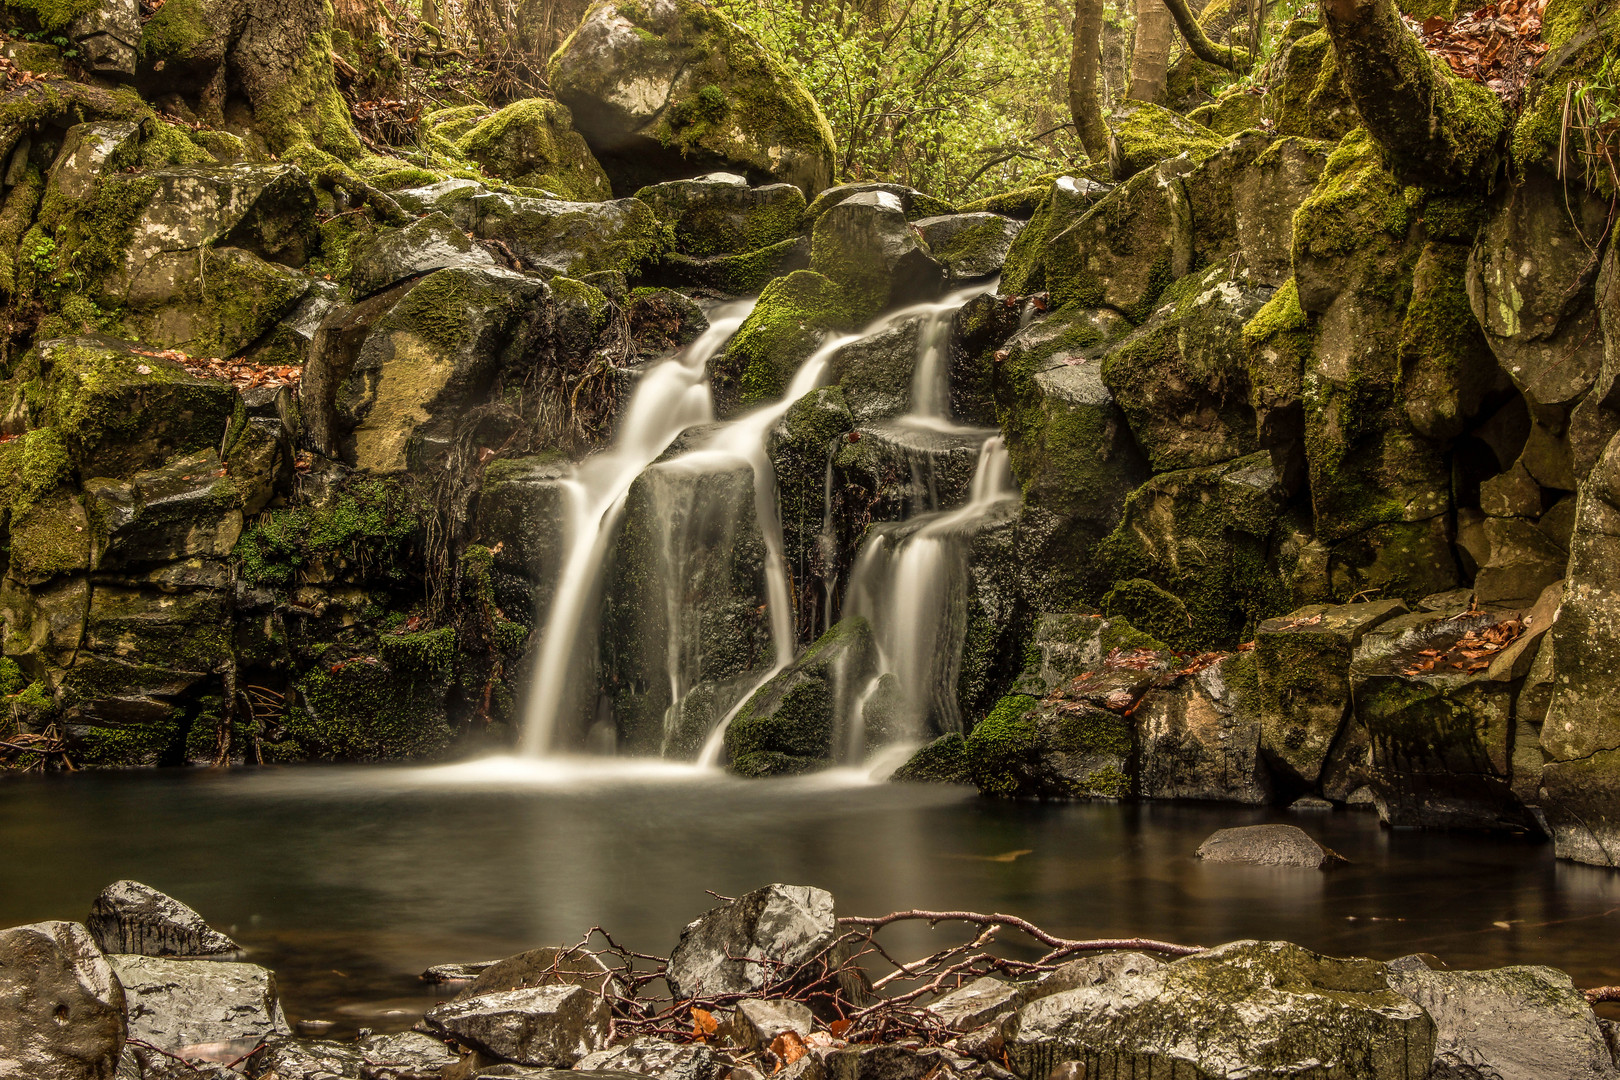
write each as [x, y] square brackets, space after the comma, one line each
[1150, 60]
[1084, 63]
[1436, 130]
[1229, 57]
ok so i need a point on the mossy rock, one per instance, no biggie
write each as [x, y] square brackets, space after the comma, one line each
[943, 761]
[1143, 134]
[1026, 750]
[389, 256]
[1065, 202]
[915, 204]
[1307, 97]
[736, 275]
[970, 246]
[1230, 113]
[706, 94]
[379, 709]
[117, 410]
[359, 529]
[1019, 203]
[790, 723]
[866, 246]
[784, 328]
[570, 238]
[720, 214]
[800, 448]
[1204, 538]
[533, 144]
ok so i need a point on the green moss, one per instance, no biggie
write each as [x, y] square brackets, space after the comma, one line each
[1308, 98]
[1019, 203]
[1232, 112]
[78, 244]
[1163, 616]
[366, 526]
[786, 325]
[16, 215]
[532, 143]
[161, 144]
[1118, 633]
[1145, 134]
[307, 108]
[175, 31]
[943, 761]
[157, 742]
[1585, 37]
[52, 15]
[358, 709]
[12, 679]
[1355, 200]
[1278, 342]
[997, 742]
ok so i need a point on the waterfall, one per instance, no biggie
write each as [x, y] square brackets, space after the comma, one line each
[931, 378]
[910, 582]
[668, 399]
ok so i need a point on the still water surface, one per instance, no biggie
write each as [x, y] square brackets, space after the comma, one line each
[348, 881]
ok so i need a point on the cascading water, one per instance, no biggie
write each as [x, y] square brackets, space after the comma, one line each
[670, 398]
[910, 583]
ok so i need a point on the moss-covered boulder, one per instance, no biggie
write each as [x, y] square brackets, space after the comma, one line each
[1307, 97]
[875, 372]
[1205, 540]
[435, 352]
[519, 514]
[736, 275]
[1243, 199]
[943, 761]
[1303, 669]
[791, 723]
[532, 144]
[118, 410]
[1271, 1009]
[1028, 750]
[686, 627]
[970, 246]
[1065, 202]
[1127, 249]
[555, 237]
[801, 449]
[1142, 134]
[866, 246]
[387, 707]
[1182, 379]
[719, 214]
[389, 256]
[790, 320]
[664, 90]
[1071, 449]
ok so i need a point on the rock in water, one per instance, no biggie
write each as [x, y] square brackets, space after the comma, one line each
[1514, 1023]
[63, 1011]
[543, 1025]
[129, 917]
[737, 947]
[175, 1004]
[1267, 845]
[1257, 1009]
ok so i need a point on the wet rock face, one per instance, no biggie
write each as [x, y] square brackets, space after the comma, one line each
[393, 255]
[177, 1003]
[970, 245]
[671, 89]
[64, 1012]
[407, 1055]
[866, 245]
[1267, 845]
[1267, 1009]
[719, 214]
[721, 952]
[546, 1026]
[129, 917]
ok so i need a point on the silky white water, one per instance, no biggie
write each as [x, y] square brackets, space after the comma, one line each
[669, 398]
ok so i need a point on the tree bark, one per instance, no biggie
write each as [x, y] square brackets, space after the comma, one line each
[1229, 57]
[1436, 130]
[1085, 62]
[1150, 60]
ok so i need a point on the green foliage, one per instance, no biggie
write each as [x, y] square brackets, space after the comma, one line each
[368, 523]
[955, 97]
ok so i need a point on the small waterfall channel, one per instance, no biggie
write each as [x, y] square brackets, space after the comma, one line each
[910, 578]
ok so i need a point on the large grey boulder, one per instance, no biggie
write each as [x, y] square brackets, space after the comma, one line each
[653, 1057]
[63, 1011]
[553, 236]
[1512, 1023]
[129, 917]
[865, 244]
[404, 1055]
[744, 944]
[666, 89]
[391, 255]
[1200, 736]
[543, 1025]
[175, 1004]
[1267, 845]
[1253, 1009]
[188, 507]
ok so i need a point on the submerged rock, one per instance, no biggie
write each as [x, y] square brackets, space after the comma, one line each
[546, 1025]
[741, 946]
[63, 1017]
[1267, 845]
[129, 917]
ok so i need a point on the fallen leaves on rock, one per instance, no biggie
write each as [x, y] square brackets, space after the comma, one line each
[1497, 45]
[1131, 660]
[1298, 622]
[789, 1047]
[1472, 652]
[242, 374]
[13, 77]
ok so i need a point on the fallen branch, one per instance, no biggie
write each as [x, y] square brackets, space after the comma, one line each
[1061, 946]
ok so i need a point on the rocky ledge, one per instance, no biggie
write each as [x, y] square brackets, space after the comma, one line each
[776, 983]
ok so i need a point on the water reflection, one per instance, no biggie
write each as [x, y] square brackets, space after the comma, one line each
[350, 880]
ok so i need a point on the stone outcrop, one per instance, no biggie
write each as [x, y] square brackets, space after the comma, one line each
[129, 917]
[550, 1026]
